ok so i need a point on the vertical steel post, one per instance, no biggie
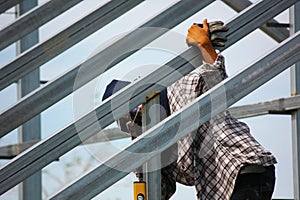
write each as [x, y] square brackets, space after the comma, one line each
[31, 188]
[295, 90]
[151, 116]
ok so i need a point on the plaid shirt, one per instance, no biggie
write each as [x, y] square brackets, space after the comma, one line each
[211, 157]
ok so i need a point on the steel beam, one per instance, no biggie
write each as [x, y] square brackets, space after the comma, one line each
[33, 19]
[107, 135]
[65, 39]
[64, 85]
[48, 150]
[152, 172]
[6, 4]
[207, 106]
[31, 188]
[254, 14]
[278, 34]
[295, 90]
[11, 151]
[278, 106]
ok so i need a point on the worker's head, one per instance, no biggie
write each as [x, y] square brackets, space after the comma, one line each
[131, 122]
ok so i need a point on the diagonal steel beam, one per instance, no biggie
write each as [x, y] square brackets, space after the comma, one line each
[58, 144]
[42, 53]
[187, 120]
[278, 34]
[33, 19]
[93, 67]
[6, 4]
[278, 106]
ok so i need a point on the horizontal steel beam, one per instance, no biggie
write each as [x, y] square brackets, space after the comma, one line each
[58, 144]
[7, 4]
[11, 151]
[64, 85]
[43, 52]
[33, 19]
[187, 120]
[278, 34]
[278, 106]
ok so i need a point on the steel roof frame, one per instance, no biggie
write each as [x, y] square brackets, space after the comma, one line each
[64, 85]
[34, 19]
[186, 120]
[11, 171]
[45, 51]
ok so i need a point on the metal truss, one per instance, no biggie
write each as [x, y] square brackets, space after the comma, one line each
[63, 40]
[34, 19]
[278, 34]
[64, 85]
[209, 105]
[48, 150]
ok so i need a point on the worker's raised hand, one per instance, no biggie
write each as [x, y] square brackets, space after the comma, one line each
[198, 35]
[217, 33]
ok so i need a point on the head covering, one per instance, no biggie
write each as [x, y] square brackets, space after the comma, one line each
[136, 113]
[113, 87]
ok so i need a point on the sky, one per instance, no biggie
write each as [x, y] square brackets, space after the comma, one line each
[273, 132]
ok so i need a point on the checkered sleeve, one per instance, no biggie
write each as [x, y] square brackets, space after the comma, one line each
[190, 86]
[212, 74]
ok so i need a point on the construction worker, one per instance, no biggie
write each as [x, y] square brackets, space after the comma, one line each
[221, 159]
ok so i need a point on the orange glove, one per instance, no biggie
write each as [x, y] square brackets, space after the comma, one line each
[200, 37]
